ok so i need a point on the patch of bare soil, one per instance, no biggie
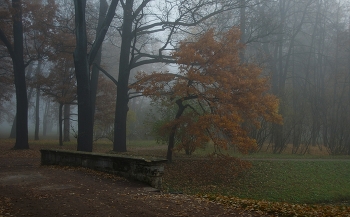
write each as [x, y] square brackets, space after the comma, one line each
[28, 189]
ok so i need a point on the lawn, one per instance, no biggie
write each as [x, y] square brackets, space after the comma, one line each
[312, 179]
[291, 179]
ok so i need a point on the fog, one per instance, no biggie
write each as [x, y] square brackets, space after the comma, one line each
[5, 129]
[302, 46]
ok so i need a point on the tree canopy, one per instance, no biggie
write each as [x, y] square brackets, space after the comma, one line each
[216, 95]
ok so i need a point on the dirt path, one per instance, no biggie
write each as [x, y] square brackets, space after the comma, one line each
[28, 189]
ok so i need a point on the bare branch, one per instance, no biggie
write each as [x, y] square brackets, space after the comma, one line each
[101, 35]
[107, 74]
[7, 43]
[150, 61]
[131, 97]
[140, 8]
[195, 22]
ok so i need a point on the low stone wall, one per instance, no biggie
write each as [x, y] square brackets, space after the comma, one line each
[149, 171]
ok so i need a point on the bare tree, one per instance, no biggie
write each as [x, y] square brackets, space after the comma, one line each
[15, 50]
[82, 63]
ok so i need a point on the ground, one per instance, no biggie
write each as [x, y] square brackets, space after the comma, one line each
[29, 189]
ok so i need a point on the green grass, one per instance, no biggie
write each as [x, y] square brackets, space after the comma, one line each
[293, 181]
[296, 181]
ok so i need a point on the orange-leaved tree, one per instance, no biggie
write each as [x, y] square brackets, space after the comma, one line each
[216, 95]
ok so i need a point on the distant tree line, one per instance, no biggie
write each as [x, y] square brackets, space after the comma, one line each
[304, 46]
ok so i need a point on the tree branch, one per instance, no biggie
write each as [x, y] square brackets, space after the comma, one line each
[7, 43]
[131, 97]
[142, 55]
[178, 23]
[191, 107]
[158, 60]
[140, 8]
[104, 28]
[150, 31]
[107, 74]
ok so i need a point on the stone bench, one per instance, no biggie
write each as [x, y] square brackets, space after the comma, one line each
[149, 171]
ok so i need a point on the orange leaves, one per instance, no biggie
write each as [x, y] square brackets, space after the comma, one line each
[153, 84]
[219, 92]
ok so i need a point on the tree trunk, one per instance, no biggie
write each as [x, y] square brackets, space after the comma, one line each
[171, 145]
[348, 140]
[37, 103]
[20, 80]
[82, 64]
[13, 128]
[46, 114]
[121, 111]
[97, 61]
[85, 123]
[308, 72]
[66, 123]
[277, 130]
[37, 118]
[242, 27]
[60, 119]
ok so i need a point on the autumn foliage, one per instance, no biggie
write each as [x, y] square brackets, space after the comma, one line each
[216, 95]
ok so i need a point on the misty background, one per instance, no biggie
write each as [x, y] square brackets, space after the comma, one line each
[302, 45]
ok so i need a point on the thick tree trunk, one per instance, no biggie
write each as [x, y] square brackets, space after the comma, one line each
[20, 80]
[85, 123]
[97, 61]
[13, 128]
[21, 110]
[82, 64]
[121, 111]
[14, 125]
[66, 123]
